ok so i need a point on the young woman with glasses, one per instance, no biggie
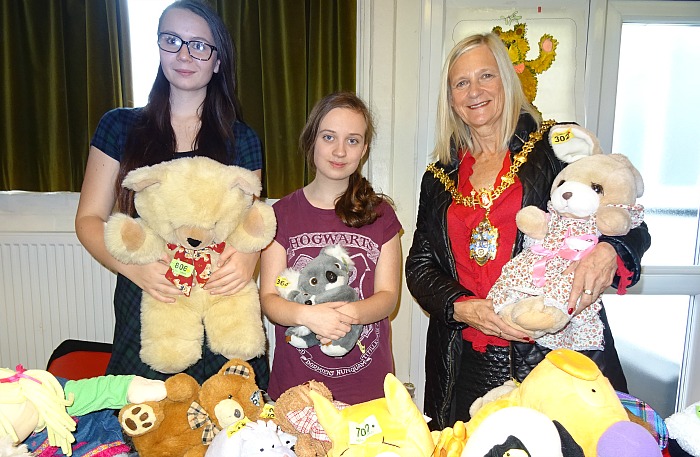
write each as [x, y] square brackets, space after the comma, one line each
[192, 110]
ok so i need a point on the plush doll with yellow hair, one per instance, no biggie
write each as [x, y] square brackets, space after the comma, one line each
[39, 411]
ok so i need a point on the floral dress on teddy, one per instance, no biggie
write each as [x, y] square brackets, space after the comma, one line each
[538, 271]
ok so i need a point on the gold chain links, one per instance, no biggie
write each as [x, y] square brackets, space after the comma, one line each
[485, 197]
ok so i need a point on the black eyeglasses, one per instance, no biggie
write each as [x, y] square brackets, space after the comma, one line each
[198, 49]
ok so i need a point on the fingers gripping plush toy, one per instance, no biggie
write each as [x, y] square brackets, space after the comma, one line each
[190, 208]
[595, 194]
[324, 279]
[186, 421]
[41, 412]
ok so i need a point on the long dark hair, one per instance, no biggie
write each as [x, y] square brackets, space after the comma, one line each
[358, 205]
[153, 140]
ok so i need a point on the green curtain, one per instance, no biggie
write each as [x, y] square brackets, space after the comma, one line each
[66, 62]
[291, 53]
[63, 65]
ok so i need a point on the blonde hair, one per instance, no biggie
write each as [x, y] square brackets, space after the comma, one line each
[45, 393]
[449, 125]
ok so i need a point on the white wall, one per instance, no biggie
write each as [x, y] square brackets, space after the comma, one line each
[400, 55]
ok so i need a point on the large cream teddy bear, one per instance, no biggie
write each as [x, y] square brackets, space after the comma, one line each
[595, 194]
[189, 209]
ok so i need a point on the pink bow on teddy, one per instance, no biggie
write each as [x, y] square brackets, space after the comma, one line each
[563, 251]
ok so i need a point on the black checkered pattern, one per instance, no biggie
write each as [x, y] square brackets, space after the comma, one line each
[127, 343]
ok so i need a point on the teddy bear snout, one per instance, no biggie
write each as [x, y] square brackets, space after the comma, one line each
[331, 277]
[193, 242]
[566, 195]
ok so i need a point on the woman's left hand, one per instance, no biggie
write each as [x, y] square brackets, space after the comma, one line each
[235, 270]
[592, 275]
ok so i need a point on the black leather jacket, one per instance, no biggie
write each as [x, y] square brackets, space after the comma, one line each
[432, 278]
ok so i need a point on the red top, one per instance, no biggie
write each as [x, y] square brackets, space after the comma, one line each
[462, 219]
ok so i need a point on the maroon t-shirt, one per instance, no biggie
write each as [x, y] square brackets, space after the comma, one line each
[303, 230]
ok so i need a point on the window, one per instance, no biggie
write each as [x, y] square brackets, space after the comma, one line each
[648, 65]
[143, 25]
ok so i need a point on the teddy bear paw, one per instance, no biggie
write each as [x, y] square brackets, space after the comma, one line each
[137, 420]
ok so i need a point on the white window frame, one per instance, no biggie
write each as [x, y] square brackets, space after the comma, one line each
[601, 91]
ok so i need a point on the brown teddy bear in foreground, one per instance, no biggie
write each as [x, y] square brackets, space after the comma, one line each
[186, 421]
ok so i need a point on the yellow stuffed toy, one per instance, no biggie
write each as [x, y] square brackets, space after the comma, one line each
[569, 388]
[518, 48]
[391, 425]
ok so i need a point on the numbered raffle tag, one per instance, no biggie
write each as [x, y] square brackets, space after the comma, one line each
[360, 432]
[181, 268]
[282, 282]
[562, 137]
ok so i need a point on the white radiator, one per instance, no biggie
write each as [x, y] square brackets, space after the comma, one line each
[51, 290]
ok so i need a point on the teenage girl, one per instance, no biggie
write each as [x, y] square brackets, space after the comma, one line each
[192, 110]
[338, 207]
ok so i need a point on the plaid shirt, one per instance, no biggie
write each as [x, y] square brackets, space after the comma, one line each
[114, 127]
[110, 137]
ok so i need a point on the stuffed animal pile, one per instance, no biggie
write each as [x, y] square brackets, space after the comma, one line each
[190, 209]
[569, 388]
[595, 194]
[186, 421]
[324, 279]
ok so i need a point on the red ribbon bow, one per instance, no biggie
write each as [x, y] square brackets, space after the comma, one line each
[197, 259]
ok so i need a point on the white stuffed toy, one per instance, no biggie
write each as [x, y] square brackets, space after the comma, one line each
[260, 438]
[684, 429]
[595, 194]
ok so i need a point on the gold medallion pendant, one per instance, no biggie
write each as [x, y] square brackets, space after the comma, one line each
[483, 243]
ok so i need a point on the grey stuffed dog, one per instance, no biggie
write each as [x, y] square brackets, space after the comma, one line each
[324, 279]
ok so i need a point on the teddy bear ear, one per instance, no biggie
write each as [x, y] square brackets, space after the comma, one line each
[141, 178]
[638, 181]
[245, 180]
[571, 142]
[238, 367]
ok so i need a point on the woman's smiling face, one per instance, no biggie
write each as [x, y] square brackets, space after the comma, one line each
[477, 95]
